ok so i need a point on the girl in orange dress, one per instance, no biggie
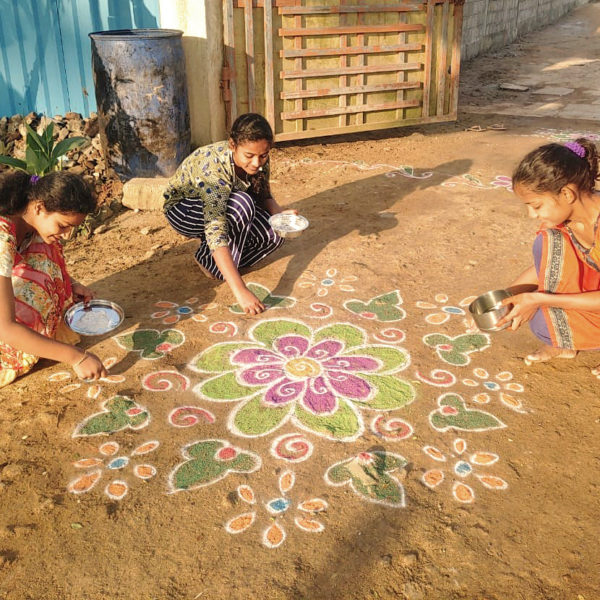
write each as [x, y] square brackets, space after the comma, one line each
[35, 288]
[557, 184]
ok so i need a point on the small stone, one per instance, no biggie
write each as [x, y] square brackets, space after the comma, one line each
[145, 230]
[101, 229]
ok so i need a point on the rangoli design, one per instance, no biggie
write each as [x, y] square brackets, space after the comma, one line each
[295, 378]
[109, 463]
[329, 282]
[209, 461]
[119, 412]
[456, 350]
[463, 467]
[265, 296]
[502, 382]
[319, 380]
[381, 308]
[454, 414]
[367, 474]
[151, 343]
[274, 535]
[171, 312]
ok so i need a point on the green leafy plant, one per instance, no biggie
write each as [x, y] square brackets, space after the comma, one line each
[42, 154]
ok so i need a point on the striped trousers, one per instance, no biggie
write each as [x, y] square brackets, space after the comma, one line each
[251, 237]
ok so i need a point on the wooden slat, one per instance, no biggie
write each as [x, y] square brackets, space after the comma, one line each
[313, 133]
[352, 89]
[279, 4]
[229, 41]
[269, 66]
[249, 24]
[442, 50]
[355, 29]
[360, 8]
[428, 58]
[298, 63]
[311, 52]
[327, 112]
[360, 98]
[351, 70]
[455, 62]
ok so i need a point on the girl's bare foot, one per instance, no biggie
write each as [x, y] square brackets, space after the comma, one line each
[546, 353]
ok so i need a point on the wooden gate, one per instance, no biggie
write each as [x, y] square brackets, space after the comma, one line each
[325, 67]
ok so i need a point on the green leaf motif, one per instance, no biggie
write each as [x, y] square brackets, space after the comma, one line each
[392, 359]
[391, 392]
[254, 418]
[265, 296]
[268, 331]
[119, 412]
[217, 359]
[224, 387]
[367, 474]
[151, 344]
[453, 414]
[344, 332]
[456, 350]
[343, 425]
[210, 461]
[385, 308]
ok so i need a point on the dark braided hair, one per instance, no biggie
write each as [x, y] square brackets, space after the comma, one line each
[252, 127]
[59, 191]
[551, 167]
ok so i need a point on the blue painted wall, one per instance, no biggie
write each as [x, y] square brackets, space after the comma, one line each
[45, 52]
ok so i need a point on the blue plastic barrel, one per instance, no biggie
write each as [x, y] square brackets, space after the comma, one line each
[141, 92]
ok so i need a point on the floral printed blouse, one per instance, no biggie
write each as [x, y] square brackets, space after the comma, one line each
[208, 174]
[8, 246]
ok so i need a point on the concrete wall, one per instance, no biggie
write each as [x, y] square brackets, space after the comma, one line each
[491, 24]
[202, 24]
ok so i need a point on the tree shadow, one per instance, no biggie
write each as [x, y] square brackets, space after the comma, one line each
[176, 276]
[357, 206]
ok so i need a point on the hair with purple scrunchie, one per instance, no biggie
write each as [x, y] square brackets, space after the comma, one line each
[34, 179]
[576, 148]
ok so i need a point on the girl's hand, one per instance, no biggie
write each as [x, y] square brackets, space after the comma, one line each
[289, 211]
[81, 292]
[89, 367]
[524, 306]
[249, 302]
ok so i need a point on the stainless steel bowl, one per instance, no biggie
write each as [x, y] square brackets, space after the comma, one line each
[95, 318]
[486, 310]
[287, 225]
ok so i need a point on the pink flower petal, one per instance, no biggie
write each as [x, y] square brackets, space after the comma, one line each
[255, 356]
[325, 349]
[291, 345]
[348, 385]
[351, 363]
[284, 391]
[261, 375]
[318, 398]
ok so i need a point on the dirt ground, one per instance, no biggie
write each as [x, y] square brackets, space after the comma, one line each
[424, 212]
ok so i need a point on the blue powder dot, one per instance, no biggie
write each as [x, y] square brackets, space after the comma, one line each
[279, 505]
[490, 385]
[453, 310]
[462, 468]
[118, 463]
[184, 310]
[327, 282]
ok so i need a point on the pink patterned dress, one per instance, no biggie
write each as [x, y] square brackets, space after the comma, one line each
[42, 290]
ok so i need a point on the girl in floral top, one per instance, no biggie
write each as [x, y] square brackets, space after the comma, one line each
[220, 195]
[560, 293]
[35, 288]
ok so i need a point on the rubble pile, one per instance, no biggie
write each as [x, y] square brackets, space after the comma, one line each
[88, 161]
